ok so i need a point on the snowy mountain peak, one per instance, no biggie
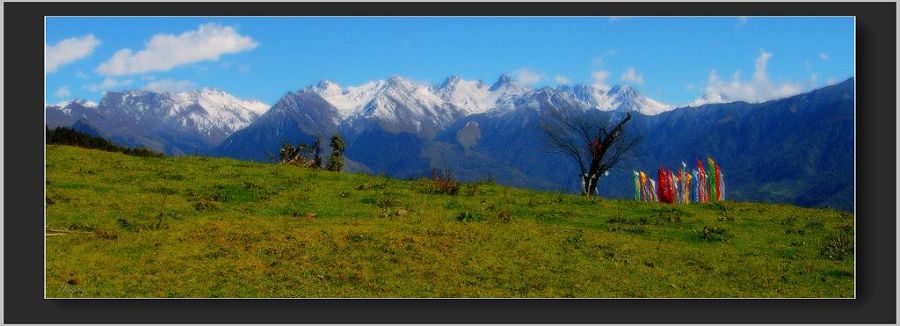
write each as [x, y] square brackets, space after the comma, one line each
[710, 98]
[395, 80]
[502, 82]
[450, 81]
[398, 104]
[624, 91]
[327, 85]
[627, 98]
[209, 113]
[75, 102]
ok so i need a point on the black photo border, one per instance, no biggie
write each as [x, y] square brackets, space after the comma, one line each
[875, 192]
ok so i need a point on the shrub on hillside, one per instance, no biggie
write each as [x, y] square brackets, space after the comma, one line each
[305, 155]
[837, 247]
[444, 183]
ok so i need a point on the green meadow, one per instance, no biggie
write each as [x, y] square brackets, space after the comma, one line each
[122, 226]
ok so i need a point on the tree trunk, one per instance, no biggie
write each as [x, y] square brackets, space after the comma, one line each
[589, 184]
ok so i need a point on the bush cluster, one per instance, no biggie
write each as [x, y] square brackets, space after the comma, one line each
[444, 183]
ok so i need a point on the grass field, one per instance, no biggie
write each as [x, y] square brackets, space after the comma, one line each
[123, 226]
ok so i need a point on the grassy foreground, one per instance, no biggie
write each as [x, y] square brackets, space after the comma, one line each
[123, 226]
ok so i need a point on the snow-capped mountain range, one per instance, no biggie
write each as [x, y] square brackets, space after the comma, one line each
[460, 97]
[401, 105]
[179, 123]
[207, 116]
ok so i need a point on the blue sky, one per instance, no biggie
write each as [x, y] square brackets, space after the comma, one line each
[674, 60]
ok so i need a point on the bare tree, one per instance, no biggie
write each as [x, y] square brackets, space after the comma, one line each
[589, 141]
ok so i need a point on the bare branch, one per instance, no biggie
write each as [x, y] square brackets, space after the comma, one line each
[584, 137]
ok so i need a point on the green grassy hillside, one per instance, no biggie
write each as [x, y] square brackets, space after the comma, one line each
[124, 226]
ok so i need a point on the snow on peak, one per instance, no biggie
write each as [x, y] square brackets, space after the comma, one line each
[450, 81]
[348, 101]
[471, 96]
[208, 110]
[504, 81]
[80, 102]
[218, 100]
[710, 98]
[219, 110]
[401, 101]
[459, 96]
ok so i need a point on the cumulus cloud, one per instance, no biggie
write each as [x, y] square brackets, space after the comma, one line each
[68, 51]
[169, 85]
[107, 84]
[63, 92]
[632, 76]
[528, 77]
[562, 80]
[599, 79]
[166, 51]
[759, 89]
[762, 62]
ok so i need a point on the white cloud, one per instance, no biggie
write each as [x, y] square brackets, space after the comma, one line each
[632, 76]
[169, 85]
[759, 89]
[107, 84]
[742, 20]
[824, 56]
[599, 77]
[68, 51]
[166, 51]
[63, 92]
[562, 80]
[81, 75]
[761, 63]
[528, 77]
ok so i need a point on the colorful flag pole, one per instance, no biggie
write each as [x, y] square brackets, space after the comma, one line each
[702, 181]
[712, 179]
[696, 193]
[671, 186]
[662, 175]
[705, 184]
[722, 186]
[679, 187]
[644, 196]
[718, 183]
[637, 185]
